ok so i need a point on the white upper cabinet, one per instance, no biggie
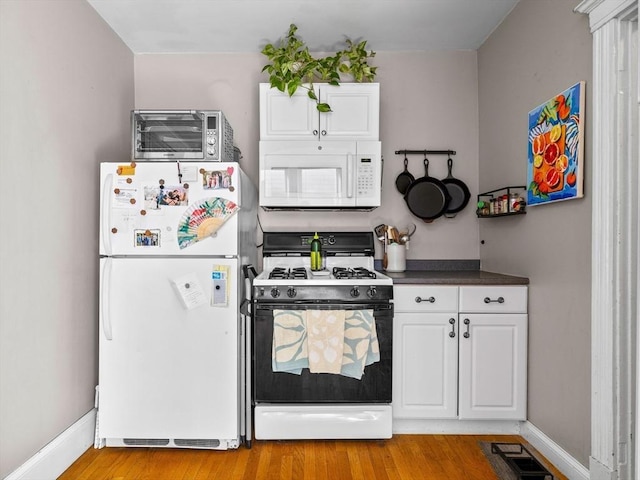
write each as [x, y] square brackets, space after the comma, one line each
[354, 115]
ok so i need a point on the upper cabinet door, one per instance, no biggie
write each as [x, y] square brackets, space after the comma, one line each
[355, 112]
[283, 117]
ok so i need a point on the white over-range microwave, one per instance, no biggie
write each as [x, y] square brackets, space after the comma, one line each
[320, 175]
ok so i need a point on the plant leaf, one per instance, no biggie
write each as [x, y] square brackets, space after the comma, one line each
[291, 65]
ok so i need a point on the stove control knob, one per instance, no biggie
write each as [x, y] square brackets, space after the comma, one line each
[291, 292]
[355, 292]
[372, 292]
[275, 293]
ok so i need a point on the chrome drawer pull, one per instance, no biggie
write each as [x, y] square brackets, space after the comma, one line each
[466, 322]
[430, 300]
[499, 300]
[452, 333]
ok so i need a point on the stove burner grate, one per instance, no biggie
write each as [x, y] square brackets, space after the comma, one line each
[281, 273]
[357, 272]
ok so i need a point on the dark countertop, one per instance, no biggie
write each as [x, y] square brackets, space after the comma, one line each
[449, 272]
[454, 277]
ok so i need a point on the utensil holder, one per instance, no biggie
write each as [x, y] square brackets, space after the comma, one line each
[397, 257]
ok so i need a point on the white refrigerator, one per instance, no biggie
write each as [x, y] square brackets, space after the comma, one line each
[173, 240]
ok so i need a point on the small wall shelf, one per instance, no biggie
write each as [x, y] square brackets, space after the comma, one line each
[485, 199]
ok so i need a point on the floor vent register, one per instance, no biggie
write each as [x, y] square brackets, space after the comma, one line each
[521, 462]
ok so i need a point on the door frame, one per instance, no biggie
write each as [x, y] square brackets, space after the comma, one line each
[615, 239]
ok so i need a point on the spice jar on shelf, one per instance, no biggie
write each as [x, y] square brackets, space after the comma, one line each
[514, 202]
[483, 208]
[504, 203]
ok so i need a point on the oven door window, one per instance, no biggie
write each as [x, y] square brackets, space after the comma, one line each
[282, 387]
[179, 134]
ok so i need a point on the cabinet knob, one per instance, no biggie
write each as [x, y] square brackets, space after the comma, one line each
[498, 300]
[315, 132]
[430, 299]
[323, 133]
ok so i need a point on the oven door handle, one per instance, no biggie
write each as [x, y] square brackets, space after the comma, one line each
[323, 306]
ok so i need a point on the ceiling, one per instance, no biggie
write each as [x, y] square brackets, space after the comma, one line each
[219, 26]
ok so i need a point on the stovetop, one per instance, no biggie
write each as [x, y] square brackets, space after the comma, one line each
[349, 274]
[296, 274]
[335, 273]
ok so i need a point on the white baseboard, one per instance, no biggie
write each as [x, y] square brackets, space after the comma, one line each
[60, 453]
[559, 457]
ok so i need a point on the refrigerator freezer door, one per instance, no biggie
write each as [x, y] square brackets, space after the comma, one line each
[168, 358]
[145, 208]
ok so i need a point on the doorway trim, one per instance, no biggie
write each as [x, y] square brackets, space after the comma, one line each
[614, 259]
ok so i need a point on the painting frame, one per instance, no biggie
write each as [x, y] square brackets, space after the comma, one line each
[555, 159]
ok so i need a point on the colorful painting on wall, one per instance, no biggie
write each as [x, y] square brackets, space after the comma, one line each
[555, 168]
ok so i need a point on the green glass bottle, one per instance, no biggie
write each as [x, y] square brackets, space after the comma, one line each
[316, 253]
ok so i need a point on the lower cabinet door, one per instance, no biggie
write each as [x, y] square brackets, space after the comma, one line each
[425, 365]
[493, 366]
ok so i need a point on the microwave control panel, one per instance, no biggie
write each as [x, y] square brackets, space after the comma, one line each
[365, 176]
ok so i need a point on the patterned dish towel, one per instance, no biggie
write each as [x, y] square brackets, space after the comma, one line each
[289, 350]
[361, 347]
[325, 340]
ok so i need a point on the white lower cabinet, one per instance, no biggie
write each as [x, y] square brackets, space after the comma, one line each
[451, 362]
[492, 366]
[425, 365]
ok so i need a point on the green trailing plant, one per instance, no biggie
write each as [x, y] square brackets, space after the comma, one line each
[292, 66]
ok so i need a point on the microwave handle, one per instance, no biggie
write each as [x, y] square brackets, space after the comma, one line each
[350, 166]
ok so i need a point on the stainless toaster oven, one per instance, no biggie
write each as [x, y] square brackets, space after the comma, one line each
[181, 134]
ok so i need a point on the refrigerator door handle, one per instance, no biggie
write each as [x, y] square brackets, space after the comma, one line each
[106, 212]
[106, 300]
[249, 273]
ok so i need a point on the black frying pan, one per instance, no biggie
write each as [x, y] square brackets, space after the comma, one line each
[457, 190]
[404, 179]
[427, 197]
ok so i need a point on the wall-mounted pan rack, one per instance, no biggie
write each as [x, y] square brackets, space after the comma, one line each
[425, 152]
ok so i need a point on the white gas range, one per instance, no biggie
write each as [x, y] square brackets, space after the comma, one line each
[302, 404]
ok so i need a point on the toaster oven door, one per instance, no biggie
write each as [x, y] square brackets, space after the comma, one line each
[168, 135]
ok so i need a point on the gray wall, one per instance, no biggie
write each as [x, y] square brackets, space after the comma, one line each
[541, 49]
[66, 87]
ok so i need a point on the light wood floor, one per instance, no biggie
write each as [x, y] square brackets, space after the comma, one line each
[405, 457]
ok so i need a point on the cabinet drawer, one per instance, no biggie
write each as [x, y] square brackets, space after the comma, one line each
[493, 299]
[425, 298]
